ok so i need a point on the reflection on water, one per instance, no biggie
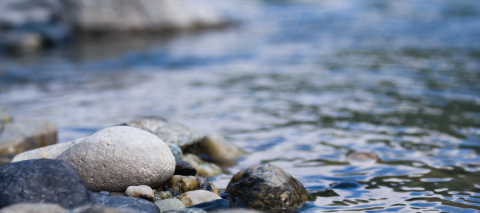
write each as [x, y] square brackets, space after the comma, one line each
[299, 84]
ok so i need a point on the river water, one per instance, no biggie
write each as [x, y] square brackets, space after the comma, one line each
[298, 84]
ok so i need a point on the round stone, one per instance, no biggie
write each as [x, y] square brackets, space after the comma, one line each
[266, 188]
[117, 157]
[195, 197]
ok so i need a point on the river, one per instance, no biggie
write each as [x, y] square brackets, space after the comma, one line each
[298, 84]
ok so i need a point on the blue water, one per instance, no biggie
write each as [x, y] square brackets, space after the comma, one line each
[298, 84]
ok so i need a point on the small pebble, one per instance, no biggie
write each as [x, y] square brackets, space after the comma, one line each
[136, 191]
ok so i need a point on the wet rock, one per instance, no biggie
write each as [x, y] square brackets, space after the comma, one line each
[142, 191]
[362, 158]
[225, 196]
[181, 184]
[218, 205]
[33, 208]
[49, 152]
[169, 204]
[165, 194]
[117, 157]
[218, 149]
[26, 135]
[177, 152]
[206, 184]
[266, 188]
[124, 202]
[346, 185]
[171, 132]
[195, 197]
[187, 210]
[184, 168]
[42, 181]
[203, 168]
[102, 209]
[241, 211]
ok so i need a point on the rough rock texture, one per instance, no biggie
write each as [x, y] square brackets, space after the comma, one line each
[49, 152]
[206, 184]
[169, 204]
[203, 168]
[33, 208]
[266, 188]
[25, 135]
[195, 197]
[184, 168]
[171, 132]
[187, 210]
[218, 205]
[177, 152]
[124, 202]
[42, 181]
[101, 209]
[117, 157]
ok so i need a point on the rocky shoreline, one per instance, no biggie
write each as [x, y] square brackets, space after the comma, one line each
[147, 165]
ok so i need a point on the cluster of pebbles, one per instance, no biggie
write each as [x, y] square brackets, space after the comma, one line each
[147, 165]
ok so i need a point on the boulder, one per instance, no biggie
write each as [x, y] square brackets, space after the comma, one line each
[115, 158]
[196, 197]
[42, 181]
[124, 202]
[49, 152]
[266, 188]
[170, 132]
[25, 135]
[204, 169]
[169, 204]
[184, 168]
[33, 208]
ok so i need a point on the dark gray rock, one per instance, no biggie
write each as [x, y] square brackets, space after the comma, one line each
[267, 188]
[184, 168]
[121, 202]
[215, 205]
[42, 181]
[187, 210]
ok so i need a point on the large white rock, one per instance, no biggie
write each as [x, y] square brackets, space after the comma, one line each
[117, 157]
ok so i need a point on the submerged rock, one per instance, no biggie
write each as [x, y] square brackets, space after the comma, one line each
[33, 208]
[184, 168]
[42, 181]
[196, 197]
[48, 152]
[362, 158]
[266, 188]
[169, 204]
[170, 132]
[203, 168]
[117, 157]
[124, 202]
[25, 135]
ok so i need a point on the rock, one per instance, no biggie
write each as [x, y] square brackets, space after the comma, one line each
[117, 157]
[26, 135]
[266, 188]
[218, 149]
[241, 211]
[4, 116]
[177, 152]
[181, 184]
[42, 181]
[124, 202]
[169, 204]
[142, 191]
[5, 159]
[165, 194]
[346, 185]
[171, 132]
[187, 210]
[49, 152]
[146, 16]
[102, 209]
[218, 205]
[184, 168]
[195, 197]
[362, 158]
[33, 208]
[104, 193]
[206, 184]
[16, 13]
[16, 41]
[203, 168]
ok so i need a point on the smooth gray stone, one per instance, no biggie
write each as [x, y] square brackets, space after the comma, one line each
[184, 168]
[121, 202]
[42, 181]
[33, 208]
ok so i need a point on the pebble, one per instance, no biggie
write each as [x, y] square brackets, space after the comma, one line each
[207, 184]
[218, 205]
[31, 181]
[184, 168]
[136, 191]
[117, 157]
[203, 168]
[33, 208]
[181, 184]
[267, 188]
[195, 197]
[169, 204]
[165, 194]
[220, 150]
